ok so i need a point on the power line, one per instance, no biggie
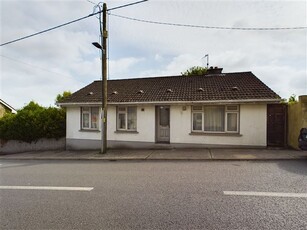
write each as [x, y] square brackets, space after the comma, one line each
[44, 31]
[154, 22]
[209, 27]
[91, 2]
[130, 4]
[33, 66]
[70, 22]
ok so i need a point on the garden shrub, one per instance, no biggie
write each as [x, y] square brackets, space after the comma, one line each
[33, 122]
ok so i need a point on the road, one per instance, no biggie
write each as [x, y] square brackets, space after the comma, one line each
[153, 195]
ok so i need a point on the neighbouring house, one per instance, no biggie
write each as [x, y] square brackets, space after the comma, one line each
[213, 110]
[5, 108]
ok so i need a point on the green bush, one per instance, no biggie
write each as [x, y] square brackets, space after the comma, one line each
[32, 123]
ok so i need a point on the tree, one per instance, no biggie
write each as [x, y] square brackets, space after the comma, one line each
[33, 122]
[292, 99]
[62, 97]
[195, 70]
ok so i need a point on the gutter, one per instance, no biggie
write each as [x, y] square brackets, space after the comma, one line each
[248, 101]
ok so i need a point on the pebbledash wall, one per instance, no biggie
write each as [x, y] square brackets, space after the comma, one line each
[252, 126]
[14, 146]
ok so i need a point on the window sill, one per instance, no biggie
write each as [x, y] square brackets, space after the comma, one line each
[215, 134]
[90, 130]
[126, 131]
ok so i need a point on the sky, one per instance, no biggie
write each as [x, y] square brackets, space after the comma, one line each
[40, 67]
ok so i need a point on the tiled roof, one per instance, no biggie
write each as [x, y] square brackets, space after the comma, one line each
[209, 87]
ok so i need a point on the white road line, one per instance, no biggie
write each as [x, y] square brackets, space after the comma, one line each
[270, 194]
[48, 188]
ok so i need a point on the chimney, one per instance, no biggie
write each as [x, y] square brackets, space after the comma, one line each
[214, 70]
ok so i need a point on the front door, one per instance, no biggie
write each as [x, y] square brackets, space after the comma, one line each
[276, 125]
[162, 124]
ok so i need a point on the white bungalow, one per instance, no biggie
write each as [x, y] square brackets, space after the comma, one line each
[213, 110]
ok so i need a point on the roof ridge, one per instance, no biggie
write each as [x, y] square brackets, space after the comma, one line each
[169, 76]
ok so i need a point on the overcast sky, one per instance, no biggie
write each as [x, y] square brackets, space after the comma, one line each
[40, 67]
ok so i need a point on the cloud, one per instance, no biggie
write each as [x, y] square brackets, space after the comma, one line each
[284, 80]
[64, 59]
[121, 68]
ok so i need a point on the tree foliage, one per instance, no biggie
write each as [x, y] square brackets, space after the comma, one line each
[195, 70]
[62, 97]
[33, 122]
[292, 99]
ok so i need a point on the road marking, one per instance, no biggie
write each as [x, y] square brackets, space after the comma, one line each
[270, 194]
[48, 188]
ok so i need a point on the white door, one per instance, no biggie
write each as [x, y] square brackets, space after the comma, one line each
[163, 124]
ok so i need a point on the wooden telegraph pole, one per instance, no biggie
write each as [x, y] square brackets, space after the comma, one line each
[104, 77]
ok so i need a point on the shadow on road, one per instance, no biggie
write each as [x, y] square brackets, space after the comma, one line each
[294, 166]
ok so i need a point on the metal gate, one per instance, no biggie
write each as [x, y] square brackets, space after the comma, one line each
[277, 125]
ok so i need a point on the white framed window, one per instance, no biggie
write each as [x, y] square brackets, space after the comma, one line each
[126, 118]
[90, 118]
[232, 118]
[215, 119]
[197, 118]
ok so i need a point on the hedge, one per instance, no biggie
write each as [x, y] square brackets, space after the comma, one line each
[33, 122]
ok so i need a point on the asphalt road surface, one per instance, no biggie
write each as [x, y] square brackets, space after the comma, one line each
[153, 195]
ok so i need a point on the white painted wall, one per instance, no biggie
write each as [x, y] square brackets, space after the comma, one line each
[73, 126]
[145, 126]
[252, 127]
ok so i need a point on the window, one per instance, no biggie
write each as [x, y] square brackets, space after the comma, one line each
[232, 118]
[197, 121]
[215, 119]
[126, 118]
[89, 118]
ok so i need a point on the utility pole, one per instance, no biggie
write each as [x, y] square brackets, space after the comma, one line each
[104, 77]
[104, 86]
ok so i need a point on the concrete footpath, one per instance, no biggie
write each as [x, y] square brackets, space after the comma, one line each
[171, 154]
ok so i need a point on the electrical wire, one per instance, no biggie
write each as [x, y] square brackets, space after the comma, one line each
[44, 31]
[154, 22]
[33, 66]
[70, 22]
[209, 27]
[91, 2]
[130, 4]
